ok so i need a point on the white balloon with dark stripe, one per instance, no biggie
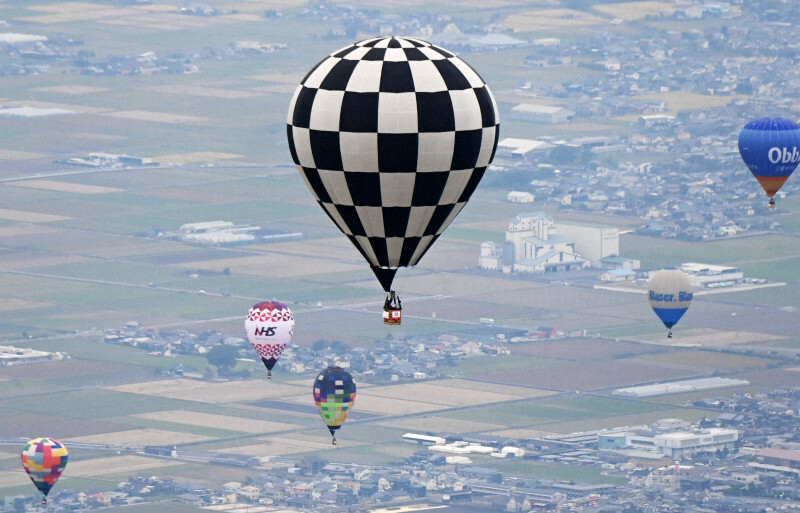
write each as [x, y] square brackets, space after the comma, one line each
[392, 136]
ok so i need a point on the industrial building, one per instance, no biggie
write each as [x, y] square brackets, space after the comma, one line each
[535, 244]
[711, 276]
[680, 387]
[674, 444]
[10, 355]
[541, 113]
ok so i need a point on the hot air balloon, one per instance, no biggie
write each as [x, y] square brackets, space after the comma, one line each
[392, 136]
[269, 326]
[334, 394]
[44, 459]
[670, 295]
[771, 149]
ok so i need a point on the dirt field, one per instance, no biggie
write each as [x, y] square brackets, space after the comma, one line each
[205, 92]
[76, 108]
[522, 434]
[111, 466]
[155, 17]
[91, 468]
[278, 266]
[709, 338]
[292, 79]
[498, 388]
[15, 478]
[215, 393]
[602, 374]
[141, 437]
[210, 420]
[30, 217]
[241, 507]
[551, 19]
[73, 89]
[465, 4]
[174, 21]
[380, 404]
[416, 398]
[157, 117]
[260, 5]
[408, 509]
[635, 10]
[9, 304]
[76, 188]
[280, 446]
[67, 12]
[447, 396]
[582, 349]
[18, 155]
[336, 248]
[192, 158]
[443, 425]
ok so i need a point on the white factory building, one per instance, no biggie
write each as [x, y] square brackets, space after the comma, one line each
[675, 444]
[534, 243]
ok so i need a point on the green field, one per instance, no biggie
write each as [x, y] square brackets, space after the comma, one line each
[220, 134]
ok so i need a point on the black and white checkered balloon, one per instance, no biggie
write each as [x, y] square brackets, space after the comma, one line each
[392, 136]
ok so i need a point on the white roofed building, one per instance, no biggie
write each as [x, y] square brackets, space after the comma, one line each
[520, 197]
[674, 444]
[521, 148]
[541, 113]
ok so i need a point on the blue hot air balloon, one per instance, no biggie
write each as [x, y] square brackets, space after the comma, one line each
[670, 294]
[771, 149]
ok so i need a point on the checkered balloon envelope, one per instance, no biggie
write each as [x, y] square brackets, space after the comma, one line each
[392, 136]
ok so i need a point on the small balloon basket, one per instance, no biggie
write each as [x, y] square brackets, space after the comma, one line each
[392, 309]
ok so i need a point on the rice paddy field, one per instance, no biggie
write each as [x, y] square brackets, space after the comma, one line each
[82, 250]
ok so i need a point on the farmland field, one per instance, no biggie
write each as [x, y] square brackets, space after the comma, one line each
[84, 250]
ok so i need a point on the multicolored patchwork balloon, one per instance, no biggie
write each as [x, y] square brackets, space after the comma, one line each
[670, 295]
[269, 326]
[44, 459]
[334, 394]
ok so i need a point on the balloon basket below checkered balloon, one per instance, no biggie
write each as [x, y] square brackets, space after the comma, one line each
[392, 309]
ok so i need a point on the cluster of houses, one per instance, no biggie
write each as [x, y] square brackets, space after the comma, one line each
[678, 171]
[391, 360]
[44, 55]
[743, 456]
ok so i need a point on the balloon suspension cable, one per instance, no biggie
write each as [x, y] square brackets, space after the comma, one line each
[392, 301]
